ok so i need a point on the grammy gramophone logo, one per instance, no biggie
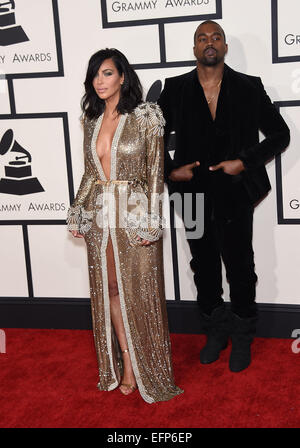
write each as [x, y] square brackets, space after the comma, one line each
[10, 32]
[18, 177]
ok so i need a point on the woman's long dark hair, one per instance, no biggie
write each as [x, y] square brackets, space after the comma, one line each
[131, 89]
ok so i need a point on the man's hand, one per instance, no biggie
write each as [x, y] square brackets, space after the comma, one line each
[232, 167]
[184, 173]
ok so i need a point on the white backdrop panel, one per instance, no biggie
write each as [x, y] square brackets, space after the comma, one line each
[12, 262]
[4, 98]
[43, 138]
[168, 267]
[291, 165]
[59, 263]
[288, 28]
[37, 51]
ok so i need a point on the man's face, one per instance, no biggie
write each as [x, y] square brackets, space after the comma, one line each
[210, 47]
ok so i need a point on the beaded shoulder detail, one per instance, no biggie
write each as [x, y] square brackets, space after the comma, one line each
[150, 118]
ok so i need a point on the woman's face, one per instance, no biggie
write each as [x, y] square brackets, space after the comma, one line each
[107, 82]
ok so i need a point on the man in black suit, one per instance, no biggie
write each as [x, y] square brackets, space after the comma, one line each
[216, 114]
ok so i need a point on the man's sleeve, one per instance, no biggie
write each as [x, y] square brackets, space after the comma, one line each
[275, 130]
[166, 103]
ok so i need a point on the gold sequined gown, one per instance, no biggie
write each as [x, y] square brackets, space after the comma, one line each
[98, 213]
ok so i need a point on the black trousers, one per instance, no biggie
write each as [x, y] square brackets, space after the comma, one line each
[227, 235]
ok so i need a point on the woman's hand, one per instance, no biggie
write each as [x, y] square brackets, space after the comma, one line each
[146, 243]
[143, 242]
[76, 234]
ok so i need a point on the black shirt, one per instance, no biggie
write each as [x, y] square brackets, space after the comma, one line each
[223, 190]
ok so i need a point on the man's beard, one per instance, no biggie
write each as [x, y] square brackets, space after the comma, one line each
[210, 61]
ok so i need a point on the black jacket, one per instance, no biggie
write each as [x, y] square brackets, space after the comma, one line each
[250, 110]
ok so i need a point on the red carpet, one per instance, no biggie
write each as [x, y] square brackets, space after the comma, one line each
[48, 380]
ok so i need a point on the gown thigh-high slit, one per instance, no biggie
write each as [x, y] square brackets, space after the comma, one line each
[117, 320]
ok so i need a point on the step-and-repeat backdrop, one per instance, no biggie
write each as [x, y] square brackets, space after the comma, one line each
[44, 49]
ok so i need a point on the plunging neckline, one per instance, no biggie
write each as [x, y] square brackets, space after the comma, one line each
[113, 149]
[111, 145]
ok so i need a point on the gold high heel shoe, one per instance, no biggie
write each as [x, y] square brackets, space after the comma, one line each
[129, 387]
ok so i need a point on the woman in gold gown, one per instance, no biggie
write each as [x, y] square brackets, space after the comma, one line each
[118, 212]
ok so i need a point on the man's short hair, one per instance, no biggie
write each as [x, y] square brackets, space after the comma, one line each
[210, 21]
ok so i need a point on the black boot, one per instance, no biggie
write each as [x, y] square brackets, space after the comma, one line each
[243, 331]
[216, 328]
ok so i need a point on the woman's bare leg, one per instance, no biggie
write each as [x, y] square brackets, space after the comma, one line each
[117, 320]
